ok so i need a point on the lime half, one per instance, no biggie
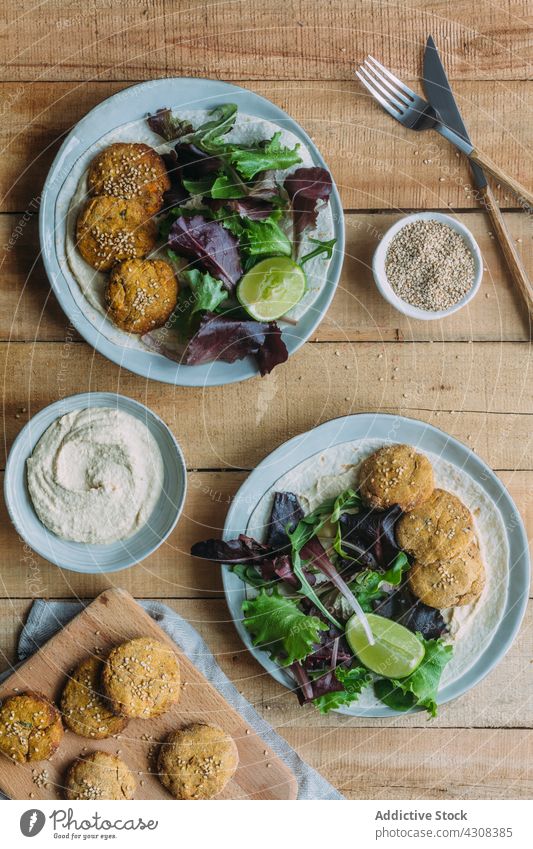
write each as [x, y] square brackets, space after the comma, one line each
[271, 288]
[396, 652]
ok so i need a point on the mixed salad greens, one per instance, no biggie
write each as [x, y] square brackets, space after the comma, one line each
[234, 220]
[331, 604]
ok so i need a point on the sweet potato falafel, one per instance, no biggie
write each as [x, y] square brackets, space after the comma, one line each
[197, 762]
[396, 474]
[130, 171]
[30, 727]
[141, 294]
[85, 711]
[141, 678]
[438, 529]
[449, 583]
[110, 230]
[99, 775]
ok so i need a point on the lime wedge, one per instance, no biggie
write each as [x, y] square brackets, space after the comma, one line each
[396, 652]
[271, 288]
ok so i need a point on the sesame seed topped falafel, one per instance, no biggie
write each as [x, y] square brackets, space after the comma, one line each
[130, 171]
[438, 529]
[85, 711]
[449, 583]
[141, 294]
[99, 775]
[30, 727]
[197, 762]
[141, 678]
[396, 474]
[110, 230]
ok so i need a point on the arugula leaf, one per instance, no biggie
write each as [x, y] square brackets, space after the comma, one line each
[251, 576]
[198, 188]
[354, 682]
[266, 156]
[208, 135]
[394, 575]
[420, 688]
[277, 625]
[322, 248]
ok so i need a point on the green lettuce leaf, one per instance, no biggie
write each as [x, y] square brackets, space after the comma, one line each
[201, 293]
[263, 238]
[354, 681]
[277, 625]
[420, 688]
[266, 156]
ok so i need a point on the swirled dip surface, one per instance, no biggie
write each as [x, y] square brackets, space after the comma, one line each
[95, 475]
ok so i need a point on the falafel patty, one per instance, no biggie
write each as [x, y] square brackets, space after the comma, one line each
[449, 583]
[141, 678]
[110, 230]
[141, 294]
[30, 727]
[131, 171]
[99, 776]
[439, 529]
[396, 474]
[197, 762]
[85, 711]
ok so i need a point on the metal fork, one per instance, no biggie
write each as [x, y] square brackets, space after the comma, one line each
[415, 113]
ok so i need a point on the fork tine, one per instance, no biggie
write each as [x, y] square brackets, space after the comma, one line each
[392, 110]
[388, 86]
[400, 104]
[412, 94]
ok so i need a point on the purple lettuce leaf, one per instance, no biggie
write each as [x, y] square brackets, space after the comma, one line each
[305, 188]
[286, 512]
[220, 337]
[211, 245]
[402, 606]
[166, 125]
[243, 549]
[374, 531]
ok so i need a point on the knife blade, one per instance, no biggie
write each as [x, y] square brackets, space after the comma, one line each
[440, 96]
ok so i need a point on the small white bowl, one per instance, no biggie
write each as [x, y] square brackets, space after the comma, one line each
[380, 275]
[82, 557]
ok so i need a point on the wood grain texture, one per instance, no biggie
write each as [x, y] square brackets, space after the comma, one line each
[479, 708]
[170, 572]
[358, 313]
[274, 39]
[110, 620]
[477, 392]
[377, 163]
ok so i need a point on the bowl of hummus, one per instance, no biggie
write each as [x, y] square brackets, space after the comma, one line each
[95, 482]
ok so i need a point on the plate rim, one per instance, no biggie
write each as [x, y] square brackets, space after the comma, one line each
[150, 361]
[61, 407]
[519, 567]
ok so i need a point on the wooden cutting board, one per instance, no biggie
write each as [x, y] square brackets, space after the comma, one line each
[113, 617]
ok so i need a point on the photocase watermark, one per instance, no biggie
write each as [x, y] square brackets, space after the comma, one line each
[32, 822]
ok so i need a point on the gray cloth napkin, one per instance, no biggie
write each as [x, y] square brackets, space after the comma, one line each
[47, 617]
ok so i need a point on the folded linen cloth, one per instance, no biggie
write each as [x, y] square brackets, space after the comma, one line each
[47, 617]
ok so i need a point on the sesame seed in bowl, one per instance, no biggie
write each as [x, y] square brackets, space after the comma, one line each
[428, 265]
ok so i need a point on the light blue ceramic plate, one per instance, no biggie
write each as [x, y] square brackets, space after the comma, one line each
[133, 104]
[81, 557]
[425, 437]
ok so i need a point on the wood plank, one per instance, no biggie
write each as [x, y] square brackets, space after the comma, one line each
[477, 392]
[376, 162]
[277, 39]
[112, 619]
[30, 311]
[170, 571]
[394, 763]
[512, 708]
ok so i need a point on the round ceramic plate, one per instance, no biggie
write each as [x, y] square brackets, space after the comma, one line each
[133, 104]
[424, 437]
[82, 557]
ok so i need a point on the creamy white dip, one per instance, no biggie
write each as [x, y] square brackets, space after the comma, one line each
[95, 475]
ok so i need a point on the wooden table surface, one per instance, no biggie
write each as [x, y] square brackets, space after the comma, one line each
[469, 374]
